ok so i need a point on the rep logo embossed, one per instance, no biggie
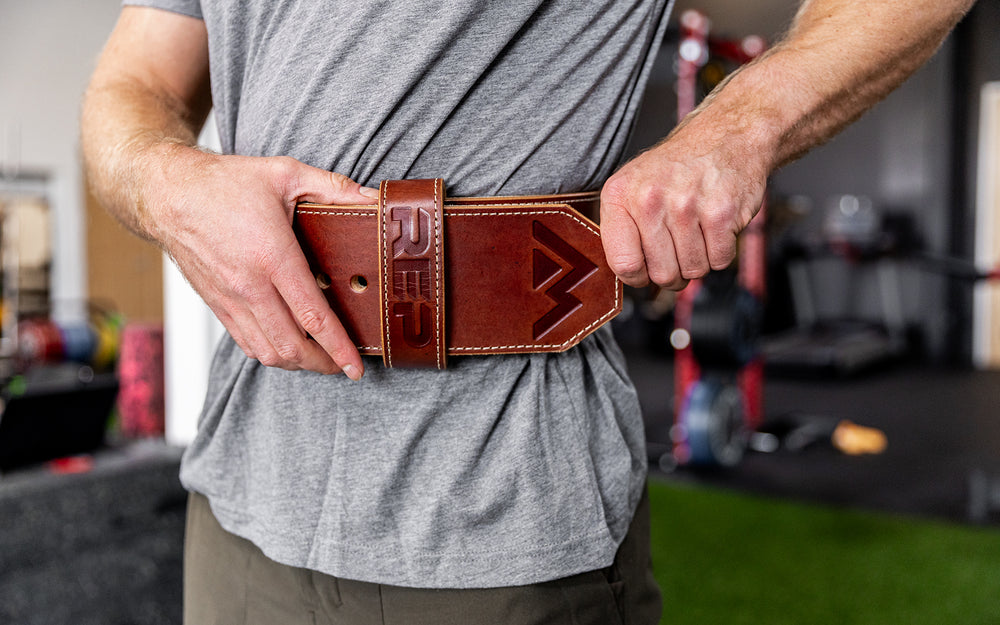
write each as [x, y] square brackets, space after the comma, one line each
[576, 268]
[411, 274]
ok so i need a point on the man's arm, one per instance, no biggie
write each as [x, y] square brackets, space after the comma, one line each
[225, 220]
[674, 212]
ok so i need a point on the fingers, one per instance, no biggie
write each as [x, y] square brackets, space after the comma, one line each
[290, 347]
[309, 184]
[690, 259]
[653, 233]
[269, 332]
[300, 329]
[330, 342]
[263, 326]
[621, 238]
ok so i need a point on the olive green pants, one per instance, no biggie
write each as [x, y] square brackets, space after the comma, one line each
[227, 580]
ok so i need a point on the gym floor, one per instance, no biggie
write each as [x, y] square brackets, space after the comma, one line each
[105, 547]
[943, 430]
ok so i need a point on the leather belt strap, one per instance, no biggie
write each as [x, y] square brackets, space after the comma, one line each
[411, 274]
[517, 274]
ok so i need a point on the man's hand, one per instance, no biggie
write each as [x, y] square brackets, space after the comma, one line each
[226, 222]
[675, 211]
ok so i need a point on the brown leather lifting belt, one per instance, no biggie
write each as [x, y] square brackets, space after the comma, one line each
[522, 274]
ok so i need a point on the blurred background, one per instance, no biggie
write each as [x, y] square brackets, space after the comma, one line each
[823, 419]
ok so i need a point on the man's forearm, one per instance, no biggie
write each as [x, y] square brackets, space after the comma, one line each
[127, 131]
[148, 97]
[675, 211]
[839, 58]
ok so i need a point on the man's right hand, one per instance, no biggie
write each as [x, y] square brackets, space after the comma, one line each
[226, 222]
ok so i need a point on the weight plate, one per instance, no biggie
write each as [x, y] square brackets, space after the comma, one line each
[712, 419]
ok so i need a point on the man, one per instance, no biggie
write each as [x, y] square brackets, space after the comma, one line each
[504, 488]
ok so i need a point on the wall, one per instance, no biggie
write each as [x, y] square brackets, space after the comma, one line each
[982, 51]
[47, 51]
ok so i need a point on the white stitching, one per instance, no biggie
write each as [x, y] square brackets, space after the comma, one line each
[540, 203]
[437, 274]
[551, 345]
[477, 213]
[386, 332]
[524, 201]
[338, 214]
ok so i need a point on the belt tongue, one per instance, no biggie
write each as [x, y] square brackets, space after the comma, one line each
[411, 272]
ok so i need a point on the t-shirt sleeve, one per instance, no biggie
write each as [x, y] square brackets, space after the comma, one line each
[191, 8]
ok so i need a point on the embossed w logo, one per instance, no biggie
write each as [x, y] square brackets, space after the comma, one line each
[544, 269]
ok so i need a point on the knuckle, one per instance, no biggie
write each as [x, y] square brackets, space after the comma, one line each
[664, 277]
[269, 358]
[649, 200]
[340, 181]
[246, 291]
[615, 191]
[627, 266]
[267, 260]
[718, 221]
[241, 289]
[285, 172]
[313, 321]
[686, 211]
[289, 352]
[694, 272]
[282, 167]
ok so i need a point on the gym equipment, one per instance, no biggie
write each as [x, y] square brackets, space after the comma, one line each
[718, 375]
[140, 371]
[711, 425]
[54, 411]
[40, 340]
[79, 342]
[725, 323]
[855, 232]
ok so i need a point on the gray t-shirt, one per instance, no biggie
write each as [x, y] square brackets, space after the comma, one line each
[500, 470]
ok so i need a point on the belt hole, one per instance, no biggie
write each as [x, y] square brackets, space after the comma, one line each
[359, 284]
[323, 281]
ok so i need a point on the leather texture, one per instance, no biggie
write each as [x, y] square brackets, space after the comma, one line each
[518, 274]
[411, 280]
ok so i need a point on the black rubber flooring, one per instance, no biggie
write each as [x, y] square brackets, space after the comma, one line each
[101, 548]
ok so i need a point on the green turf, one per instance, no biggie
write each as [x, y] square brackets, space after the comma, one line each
[724, 559]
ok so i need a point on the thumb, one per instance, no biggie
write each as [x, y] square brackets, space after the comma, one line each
[330, 187]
